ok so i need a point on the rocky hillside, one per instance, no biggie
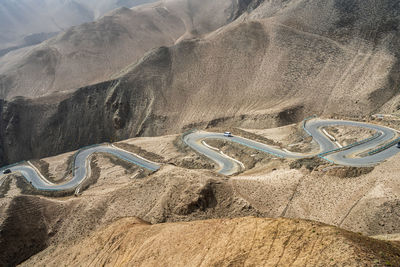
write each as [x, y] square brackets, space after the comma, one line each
[359, 200]
[173, 194]
[274, 64]
[94, 52]
[235, 242]
[28, 22]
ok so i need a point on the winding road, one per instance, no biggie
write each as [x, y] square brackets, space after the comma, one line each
[81, 167]
[328, 150]
[344, 156]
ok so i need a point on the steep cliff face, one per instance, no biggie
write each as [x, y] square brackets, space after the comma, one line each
[108, 111]
[137, 104]
[111, 110]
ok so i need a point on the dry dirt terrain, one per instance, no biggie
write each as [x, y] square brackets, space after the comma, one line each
[28, 22]
[360, 200]
[346, 135]
[145, 74]
[171, 194]
[353, 198]
[237, 242]
[95, 52]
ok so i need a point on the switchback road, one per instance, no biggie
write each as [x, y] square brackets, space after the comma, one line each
[345, 156]
[81, 168]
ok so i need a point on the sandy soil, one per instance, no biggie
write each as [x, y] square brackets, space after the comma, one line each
[162, 145]
[60, 166]
[236, 242]
[347, 135]
[290, 137]
[366, 202]
[279, 134]
[112, 176]
[339, 196]
[172, 150]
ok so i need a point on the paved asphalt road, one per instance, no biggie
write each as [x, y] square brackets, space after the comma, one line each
[228, 166]
[81, 168]
[342, 157]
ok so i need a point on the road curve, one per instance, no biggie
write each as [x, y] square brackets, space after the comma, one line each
[81, 168]
[227, 165]
[313, 127]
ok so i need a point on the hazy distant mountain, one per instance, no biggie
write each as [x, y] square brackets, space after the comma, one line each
[94, 52]
[22, 18]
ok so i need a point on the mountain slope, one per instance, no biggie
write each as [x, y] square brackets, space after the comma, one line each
[93, 52]
[225, 242]
[273, 65]
[24, 18]
[365, 204]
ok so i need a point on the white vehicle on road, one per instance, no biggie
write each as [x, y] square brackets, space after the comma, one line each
[228, 134]
[328, 149]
